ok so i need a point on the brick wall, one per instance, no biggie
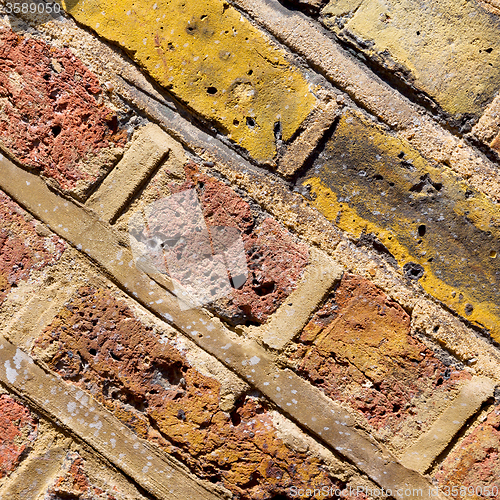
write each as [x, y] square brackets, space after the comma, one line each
[249, 250]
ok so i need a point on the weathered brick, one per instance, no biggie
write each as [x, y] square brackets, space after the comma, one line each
[212, 59]
[475, 463]
[73, 482]
[18, 430]
[435, 47]
[276, 262]
[358, 349]
[437, 228]
[98, 344]
[52, 116]
[22, 248]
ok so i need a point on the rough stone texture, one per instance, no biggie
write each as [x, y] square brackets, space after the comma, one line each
[357, 348]
[435, 226]
[474, 463]
[214, 60]
[73, 482]
[18, 430]
[52, 116]
[433, 47]
[275, 260]
[98, 344]
[25, 246]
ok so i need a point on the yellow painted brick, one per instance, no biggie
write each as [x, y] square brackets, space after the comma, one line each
[212, 59]
[368, 181]
[446, 48]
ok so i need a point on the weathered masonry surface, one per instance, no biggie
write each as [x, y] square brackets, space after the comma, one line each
[326, 173]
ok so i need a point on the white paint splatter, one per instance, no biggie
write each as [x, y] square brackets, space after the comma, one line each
[10, 372]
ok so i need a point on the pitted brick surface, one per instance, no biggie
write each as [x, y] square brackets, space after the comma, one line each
[22, 248]
[275, 260]
[73, 482]
[98, 344]
[475, 463]
[210, 57]
[52, 118]
[357, 348]
[18, 429]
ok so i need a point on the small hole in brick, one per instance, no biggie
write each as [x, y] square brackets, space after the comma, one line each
[93, 352]
[250, 122]
[421, 230]
[493, 254]
[468, 309]
[114, 356]
[235, 418]
[413, 270]
[264, 289]
[181, 415]
[418, 32]
[236, 122]
[490, 50]
[211, 90]
[250, 72]
[401, 155]
[435, 329]
[56, 130]
[439, 381]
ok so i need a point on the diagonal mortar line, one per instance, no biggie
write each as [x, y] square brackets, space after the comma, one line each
[156, 472]
[40, 470]
[270, 191]
[430, 445]
[310, 40]
[149, 147]
[302, 402]
[292, 316]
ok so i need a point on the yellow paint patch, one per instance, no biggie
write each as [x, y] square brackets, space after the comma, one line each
[447, 48]
[213, 60]
[373, 183]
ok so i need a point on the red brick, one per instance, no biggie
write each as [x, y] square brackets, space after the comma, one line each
[22, 249]
[275, 260]
[18, 429]
[51, 115]
[358, 349]
[151, 387]
[475, 463]
[74, 482]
